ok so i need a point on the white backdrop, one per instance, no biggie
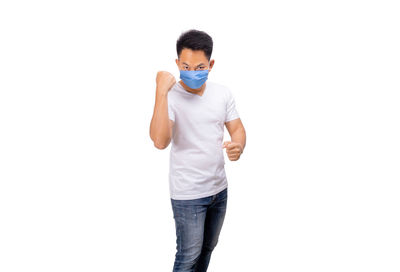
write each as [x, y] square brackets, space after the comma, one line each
[316, 85]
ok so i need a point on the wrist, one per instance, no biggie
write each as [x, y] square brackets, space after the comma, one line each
[161, 90]
[161, 93]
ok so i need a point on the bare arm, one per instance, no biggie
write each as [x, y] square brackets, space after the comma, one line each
[161, 126]
[235, 147]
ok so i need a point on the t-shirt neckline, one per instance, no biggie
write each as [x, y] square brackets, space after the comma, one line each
[200, 96]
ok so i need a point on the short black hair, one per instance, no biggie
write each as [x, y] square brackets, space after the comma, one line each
[195, 40]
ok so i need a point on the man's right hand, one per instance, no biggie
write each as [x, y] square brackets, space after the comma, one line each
[165, 80]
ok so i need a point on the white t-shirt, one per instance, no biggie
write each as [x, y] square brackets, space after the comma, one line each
[196, 155]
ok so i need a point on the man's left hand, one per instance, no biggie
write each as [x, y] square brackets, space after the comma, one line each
[233, 150]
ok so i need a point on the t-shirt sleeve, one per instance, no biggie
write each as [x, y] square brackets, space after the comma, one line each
[171, 113]
[231, 111]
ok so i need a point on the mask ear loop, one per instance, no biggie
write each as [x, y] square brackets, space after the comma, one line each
[209, 66]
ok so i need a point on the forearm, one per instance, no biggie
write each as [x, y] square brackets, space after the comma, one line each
[239, 136]
[159, 127]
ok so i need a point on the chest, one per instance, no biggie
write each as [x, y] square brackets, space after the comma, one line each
[200, 110]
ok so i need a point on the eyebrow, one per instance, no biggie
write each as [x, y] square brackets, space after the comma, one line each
[196, 66]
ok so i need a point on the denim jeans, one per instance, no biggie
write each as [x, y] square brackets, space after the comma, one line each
[198, 223]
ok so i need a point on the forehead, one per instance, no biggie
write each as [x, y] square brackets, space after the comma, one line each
[193, 57]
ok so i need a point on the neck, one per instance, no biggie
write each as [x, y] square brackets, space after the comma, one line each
[199, 91]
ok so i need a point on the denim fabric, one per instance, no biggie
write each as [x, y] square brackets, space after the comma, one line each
[198, 223]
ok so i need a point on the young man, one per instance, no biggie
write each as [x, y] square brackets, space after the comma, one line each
[192, 113]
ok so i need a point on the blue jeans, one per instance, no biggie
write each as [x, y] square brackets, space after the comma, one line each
[198, 223]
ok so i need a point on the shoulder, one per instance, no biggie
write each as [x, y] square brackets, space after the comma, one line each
[217, 85]
[223, 89]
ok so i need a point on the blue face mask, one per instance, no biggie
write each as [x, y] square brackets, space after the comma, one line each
[194, 79]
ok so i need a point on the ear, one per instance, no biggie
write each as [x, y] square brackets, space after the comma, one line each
[211, 64]
[177, 62]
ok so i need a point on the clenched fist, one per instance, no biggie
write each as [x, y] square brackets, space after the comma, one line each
[165, 80]
[233, 150]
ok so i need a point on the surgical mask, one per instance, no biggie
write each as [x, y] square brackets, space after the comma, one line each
[194, 79]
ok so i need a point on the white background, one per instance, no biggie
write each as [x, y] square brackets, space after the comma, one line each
[316, 85]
